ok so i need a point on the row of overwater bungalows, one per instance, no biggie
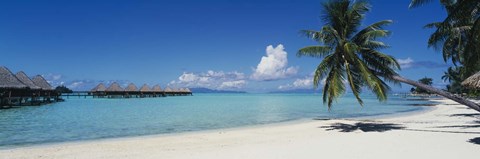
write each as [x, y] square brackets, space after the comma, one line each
[19, 89]
[131, 91]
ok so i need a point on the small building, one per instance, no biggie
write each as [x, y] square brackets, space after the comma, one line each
[115, 91]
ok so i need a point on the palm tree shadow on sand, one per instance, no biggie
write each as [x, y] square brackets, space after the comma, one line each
[365, 127]
[475, 140]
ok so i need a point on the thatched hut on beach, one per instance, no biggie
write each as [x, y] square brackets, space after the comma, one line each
[472, 81]
[42, 83]
[26, 80]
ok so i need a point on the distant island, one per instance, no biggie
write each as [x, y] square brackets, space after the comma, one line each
[297, 91]
[206, 90]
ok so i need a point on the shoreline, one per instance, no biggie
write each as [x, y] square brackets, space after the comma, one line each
[307, 139]
[235, 128]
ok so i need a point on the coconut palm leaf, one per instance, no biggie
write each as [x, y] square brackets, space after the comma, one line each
[457, 35]
[350, 54]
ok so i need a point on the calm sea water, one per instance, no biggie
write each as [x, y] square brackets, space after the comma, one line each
[84, 119]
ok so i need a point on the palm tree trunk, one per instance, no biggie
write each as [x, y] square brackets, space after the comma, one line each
[448, 95]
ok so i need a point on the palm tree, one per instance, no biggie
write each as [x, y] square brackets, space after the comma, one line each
[449, 75]
[425, 81]
[352, 55]
[459, 34]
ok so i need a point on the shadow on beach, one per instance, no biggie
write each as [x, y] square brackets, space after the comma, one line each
[365, 127]
[475, 140]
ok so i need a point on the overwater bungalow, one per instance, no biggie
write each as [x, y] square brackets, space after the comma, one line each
[26, 80]
[184, 91]
[33, 91]
[47, 90]
[168, 91]
[145, 88]
[10, 87]
[145, 91]
[131, 91]
[157, 91]
[18, 89]
[98, 91]
[115, 91]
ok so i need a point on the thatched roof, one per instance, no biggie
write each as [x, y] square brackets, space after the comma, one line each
[175, 90]
[99, 88]
[180, 90]
[131, 87]
[472, 81]
[26, 80]
[187, 90]
[145, 88]
[41, 82]
[114, 87]
[8, 80]
[157, 88]
[168, 89]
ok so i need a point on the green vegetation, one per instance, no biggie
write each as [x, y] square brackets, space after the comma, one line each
[425, 81]
[63, 89]
[352, 54]
[458, 37]
[349, 52]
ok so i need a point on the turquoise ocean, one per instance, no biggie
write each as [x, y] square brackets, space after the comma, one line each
[79, 119]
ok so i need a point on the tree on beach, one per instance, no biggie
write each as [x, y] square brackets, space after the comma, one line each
[458, 35]
[352, 54]
[425, 81]
[454, 75]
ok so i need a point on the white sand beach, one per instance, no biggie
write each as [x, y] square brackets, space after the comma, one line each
[448, 131]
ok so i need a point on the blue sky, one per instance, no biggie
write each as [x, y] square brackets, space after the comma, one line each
[211, 43]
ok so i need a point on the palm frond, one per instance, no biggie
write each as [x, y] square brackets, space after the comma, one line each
[417, 3]
[314, 51]
[322, 69]
[334, 88]
[350, 54]
[364, 34]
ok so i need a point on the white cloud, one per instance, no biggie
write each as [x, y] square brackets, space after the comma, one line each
[54, 79]
[299, 83]
[405, 63]
[211, 79]
[274, 65]
[233, 84]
